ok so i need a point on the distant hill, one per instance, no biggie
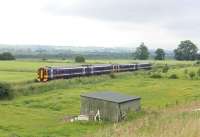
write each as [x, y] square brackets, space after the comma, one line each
[39, 51]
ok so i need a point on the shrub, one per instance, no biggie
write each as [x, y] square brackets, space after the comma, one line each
[198, 72]
[79, 59]
[197, 62]
[155, 75]
[192, 74]
[6, 56]
[186, 71]
[44, 59]
[165, 69]
[173, 76]
[5, 91]
[112, 75]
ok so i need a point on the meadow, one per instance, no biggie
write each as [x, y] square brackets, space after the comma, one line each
[39, 109]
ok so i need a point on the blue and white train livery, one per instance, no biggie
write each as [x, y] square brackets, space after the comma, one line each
[51, 73]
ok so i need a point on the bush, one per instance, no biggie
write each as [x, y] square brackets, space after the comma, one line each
[192, 74]
[173, 76]
[165, 69]
[79, 59]
[198, 72]
[112, 75]
[185, 71]
[197, 62]
[44, 59]
[155, 75]
[5, 91]
[6, 56]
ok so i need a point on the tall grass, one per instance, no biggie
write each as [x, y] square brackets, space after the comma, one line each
[179, 121]
[27, 88]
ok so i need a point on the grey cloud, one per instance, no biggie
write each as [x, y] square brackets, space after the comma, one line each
[172, 14]
[126, 10]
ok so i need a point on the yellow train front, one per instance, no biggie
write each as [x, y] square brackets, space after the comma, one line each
[43, 74]
[50, 73]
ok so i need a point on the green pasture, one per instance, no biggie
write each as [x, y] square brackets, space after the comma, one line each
[33, 65]
[28, 65]
[12, 76]
[39, 109]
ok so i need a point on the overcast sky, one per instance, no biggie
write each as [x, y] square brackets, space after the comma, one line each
[104, 23]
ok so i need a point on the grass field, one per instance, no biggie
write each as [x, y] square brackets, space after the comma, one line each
[12, 76]
[38, 110]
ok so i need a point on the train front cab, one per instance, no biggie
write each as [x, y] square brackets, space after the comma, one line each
[42, 74]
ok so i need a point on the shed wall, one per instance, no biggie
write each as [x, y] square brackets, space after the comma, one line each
[108, 110]
[130, 106]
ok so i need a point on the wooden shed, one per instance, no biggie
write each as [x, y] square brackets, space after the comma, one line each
[111, 105]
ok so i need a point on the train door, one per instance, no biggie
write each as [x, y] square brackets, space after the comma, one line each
[88, 70]
[83, 73]
[45, 75]
[136, 66]
[115, 68]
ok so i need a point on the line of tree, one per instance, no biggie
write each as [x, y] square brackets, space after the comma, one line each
[6, 56]
[141, 52]
[160, 54]
[186, 50]
[79, 59]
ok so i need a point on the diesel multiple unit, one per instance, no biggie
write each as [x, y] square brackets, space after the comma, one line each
[50, 73]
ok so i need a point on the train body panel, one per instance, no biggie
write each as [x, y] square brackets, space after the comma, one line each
[50, 73]
[144, 66]
[102, 69]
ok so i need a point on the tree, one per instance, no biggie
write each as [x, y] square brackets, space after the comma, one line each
[79, 59]
[186, 51]
[141, 52]
[160, 54]
[198, 56]
[6, 56]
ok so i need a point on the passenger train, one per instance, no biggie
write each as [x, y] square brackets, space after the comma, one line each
[51, 73]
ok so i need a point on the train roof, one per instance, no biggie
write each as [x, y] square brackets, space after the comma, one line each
[96, 65]
[62, 67]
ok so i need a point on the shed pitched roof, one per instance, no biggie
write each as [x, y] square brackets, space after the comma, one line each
[111, 96]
